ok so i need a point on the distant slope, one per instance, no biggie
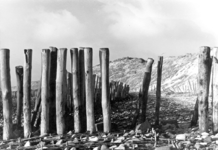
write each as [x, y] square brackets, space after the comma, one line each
[178, 75]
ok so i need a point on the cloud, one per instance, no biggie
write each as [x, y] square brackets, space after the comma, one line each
[56, 26]
[152, 25]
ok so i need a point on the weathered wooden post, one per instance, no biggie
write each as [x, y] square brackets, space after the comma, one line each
[27, 92]
[44, 127]
[60, 80]
[204, 68]
[145, 87]
[75, 89]
[158, 89]
[105, 96]
[214, 89]
[19, 76]
[194, 120]
[6, 93]
[82, 88]
[52, 88]
[37, 108]
[89, 90]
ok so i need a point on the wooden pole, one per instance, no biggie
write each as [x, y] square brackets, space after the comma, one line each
[19, 76]
[82, 89]
[145, 87]
[75, 89]
[34, 119]
[52, 88]
[105, 96]
[214, 89]
[204, 68]
[89, 90]
[194, 120]
[158, 89]
[6, 93]
[60, 80]
[27, 92]
[44, 127]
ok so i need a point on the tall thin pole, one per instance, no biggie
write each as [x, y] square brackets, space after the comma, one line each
[145, 87]
[19, 76]
[44, 128]
[60, 97]
[6, 93]
[204, 68]
[89, 90]
[105, 96]
[52, 89]
[158, 89]
[82, 89]
[76, 89]
[27, 92]
[214, 89]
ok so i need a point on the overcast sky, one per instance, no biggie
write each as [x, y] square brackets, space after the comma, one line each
[135, 28]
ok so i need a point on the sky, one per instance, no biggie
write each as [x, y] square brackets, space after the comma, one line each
[134, 28]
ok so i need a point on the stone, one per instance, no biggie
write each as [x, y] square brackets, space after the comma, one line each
[164, 148]
[197, 146]
[93, 139]
[203, 143]
[120, 147]
[132, 132]
[205, 134]
[104, 147]
[181, 137]
[59, 142]
[208, 139]
[143, 127]
[27, 144]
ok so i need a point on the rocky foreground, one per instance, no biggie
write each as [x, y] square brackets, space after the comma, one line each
[173, 133]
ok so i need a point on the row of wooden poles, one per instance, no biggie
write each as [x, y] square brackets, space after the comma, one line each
[81, 62]
[118, 91]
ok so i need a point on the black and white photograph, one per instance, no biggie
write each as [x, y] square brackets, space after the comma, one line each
[109, 74]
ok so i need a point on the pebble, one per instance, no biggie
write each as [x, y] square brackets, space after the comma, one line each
[203, 143]
[132, 132]
[27, 144]
[59, 142]
[181, 137]
[93, 139]
[104, 147]
[205, 134]
[197, 145]
[208, 139]
[120, 147]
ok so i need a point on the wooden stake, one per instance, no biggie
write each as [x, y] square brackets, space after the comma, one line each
[27, 92]
[105, 96]
[60, 80]
[34, 119]
[204, 68]
[19, 76]
[82, 89]
[45, 91]
[76, 90]
[6, 93]
[52, 88]
[214, 91]
[194, 120]
[158, 89]
[89, 90]
[145, 87]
